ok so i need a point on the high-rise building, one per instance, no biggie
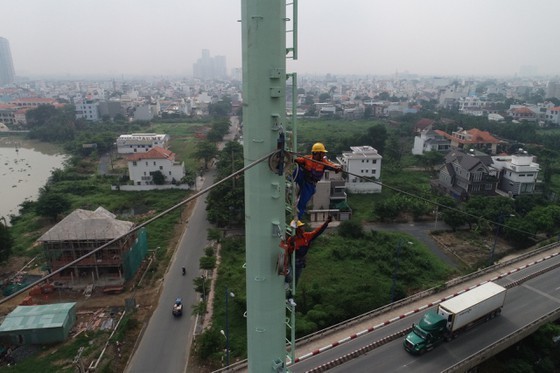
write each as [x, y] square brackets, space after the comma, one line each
[7, 74]
[553, 89]
[207, 67]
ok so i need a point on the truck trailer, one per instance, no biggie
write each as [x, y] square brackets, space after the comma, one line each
[454, 316]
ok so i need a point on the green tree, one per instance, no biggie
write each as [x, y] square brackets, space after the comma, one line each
[324, 97]
[208, 262]
[157, 177]
[199, 309]
[394, 148]
[208, 346]
[376, 137]
[519, 230]
[429, 160]
[206, 150]
[214, 234]
[226, 201]
[48, 123]
[454, 218]
[6, 240]
[350, 228]
[221, 108]
[309, 100]
[51, 205]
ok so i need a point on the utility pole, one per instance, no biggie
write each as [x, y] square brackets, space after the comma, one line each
[264, 110]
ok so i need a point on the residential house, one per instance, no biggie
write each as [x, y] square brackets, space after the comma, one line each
[33, 102]
[146, 111]
[423, 124]
[110, 108]
[431, 140]
[522, 113]
[473, 138]
[141, 142]
[330, 199]
[83, 231]
[88, 110]
[465, 174]
[518, 173]
[142, 166]
[493, 117]
[552, 116]
[378, 108]
[362, 161]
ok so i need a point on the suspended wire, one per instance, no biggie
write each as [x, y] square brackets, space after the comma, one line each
[140, 226]
[480, 218]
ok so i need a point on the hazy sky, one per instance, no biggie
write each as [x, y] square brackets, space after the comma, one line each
[165, 37]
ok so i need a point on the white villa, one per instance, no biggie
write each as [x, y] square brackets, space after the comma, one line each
[518, 173]
[141, 166]
[362, 161]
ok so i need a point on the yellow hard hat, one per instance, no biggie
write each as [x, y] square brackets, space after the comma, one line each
[297, 224]
[318, 147]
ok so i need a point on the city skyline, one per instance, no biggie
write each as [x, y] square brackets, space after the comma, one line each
[166, 38]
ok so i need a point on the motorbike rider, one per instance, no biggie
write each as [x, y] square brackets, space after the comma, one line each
[184, 271]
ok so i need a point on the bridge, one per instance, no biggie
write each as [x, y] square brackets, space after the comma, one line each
[374, 340]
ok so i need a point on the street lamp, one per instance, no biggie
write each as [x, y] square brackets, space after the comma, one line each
[203, 288]
[228, 295]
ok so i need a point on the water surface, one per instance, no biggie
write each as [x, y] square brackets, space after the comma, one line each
[24, 168]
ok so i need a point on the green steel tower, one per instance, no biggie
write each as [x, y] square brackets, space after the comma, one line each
[264, 112]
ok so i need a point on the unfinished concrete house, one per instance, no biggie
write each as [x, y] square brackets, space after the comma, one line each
[83, 231]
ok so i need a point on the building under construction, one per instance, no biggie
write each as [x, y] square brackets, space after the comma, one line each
[83, 231]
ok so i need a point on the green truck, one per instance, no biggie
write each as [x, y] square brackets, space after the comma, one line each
[454, 316]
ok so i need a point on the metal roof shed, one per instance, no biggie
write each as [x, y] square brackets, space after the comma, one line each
[44, 324]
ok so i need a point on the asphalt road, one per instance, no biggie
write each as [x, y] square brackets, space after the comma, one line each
[165, 343]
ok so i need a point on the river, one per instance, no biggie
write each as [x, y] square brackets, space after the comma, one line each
[24, 168]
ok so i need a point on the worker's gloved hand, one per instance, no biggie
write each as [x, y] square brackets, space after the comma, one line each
[338, 169]
[329, 219]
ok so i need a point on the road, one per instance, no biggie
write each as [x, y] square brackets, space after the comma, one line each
[165, 343]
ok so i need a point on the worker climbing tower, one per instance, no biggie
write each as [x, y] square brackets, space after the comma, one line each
[264, 53]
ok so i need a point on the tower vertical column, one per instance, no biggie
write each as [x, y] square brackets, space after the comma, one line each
[264, 112]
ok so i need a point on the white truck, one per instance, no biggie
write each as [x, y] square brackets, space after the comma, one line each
[454, 316]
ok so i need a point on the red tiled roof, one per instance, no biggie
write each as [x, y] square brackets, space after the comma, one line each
[522, 110]
[35, 99]
[424, 122]
[154, 153]
[555, 108]
[477, 137]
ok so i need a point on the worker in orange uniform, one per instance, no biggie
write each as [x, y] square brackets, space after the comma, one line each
[311, 169]
[300, 243]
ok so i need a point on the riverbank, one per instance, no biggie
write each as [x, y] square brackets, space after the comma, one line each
[25, 167]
